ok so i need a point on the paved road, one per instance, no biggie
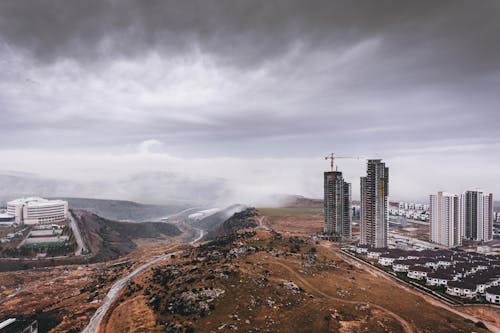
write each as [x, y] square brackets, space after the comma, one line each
[201, 233]
[78, 236]
[114, 292]
[182, 214]
[180, 218]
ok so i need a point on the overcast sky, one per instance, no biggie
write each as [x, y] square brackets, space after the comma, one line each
[100, 89]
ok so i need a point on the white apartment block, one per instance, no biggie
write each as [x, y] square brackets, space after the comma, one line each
[445, 219]
[457, 217]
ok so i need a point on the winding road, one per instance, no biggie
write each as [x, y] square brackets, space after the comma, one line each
[78, 236]
[201, 233]
[113, 294]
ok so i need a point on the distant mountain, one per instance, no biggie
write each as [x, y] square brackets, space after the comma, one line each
[290, 200]
[15, 185]
[158, 188]
[123, 210]
[300, 201]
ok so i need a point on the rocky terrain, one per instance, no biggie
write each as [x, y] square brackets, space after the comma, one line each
[256, 280]
[239, 220]
[245, 279]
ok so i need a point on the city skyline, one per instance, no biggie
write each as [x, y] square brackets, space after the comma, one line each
[109, 90]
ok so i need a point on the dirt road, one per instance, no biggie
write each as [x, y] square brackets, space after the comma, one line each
[405, 324]
[425, 296]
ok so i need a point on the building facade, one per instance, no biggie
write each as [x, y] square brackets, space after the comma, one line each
[457, 217]
[476, 213]
[374, 193]
[33, 211]
[337, 205]
[445, 219]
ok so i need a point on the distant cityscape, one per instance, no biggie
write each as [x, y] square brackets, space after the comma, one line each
[441, 261]
[452, 218]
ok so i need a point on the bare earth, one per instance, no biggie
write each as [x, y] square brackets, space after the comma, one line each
[264, 281]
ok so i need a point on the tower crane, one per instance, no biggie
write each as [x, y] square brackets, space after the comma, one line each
[332, 158]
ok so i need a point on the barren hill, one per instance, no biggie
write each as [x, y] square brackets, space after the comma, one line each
[109, 239]
[245, 280]
[263, 281]
[240, 220]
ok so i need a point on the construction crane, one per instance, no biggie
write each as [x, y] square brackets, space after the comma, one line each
[332, 157]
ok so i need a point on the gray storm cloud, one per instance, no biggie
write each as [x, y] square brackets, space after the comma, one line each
[247, 83]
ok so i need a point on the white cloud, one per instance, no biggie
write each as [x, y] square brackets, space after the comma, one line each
[249, 180]
[150, 146]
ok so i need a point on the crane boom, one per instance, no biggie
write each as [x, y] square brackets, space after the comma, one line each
[332, 158]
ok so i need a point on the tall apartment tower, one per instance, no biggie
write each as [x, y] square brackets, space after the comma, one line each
[445, 219]
[337, 205]
[374, 192]
[476, 214]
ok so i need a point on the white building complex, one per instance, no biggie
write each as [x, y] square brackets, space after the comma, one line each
[33, 211]
[457, 217]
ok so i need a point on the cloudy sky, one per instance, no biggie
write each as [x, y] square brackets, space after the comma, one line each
[253, 92]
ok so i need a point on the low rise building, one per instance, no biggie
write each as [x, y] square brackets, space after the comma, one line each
[463, 274]
[464, 289]
[493, 295]
[418, 272]
[6, 220]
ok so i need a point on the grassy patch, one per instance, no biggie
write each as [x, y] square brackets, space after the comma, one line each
[6, 230]
[290, 211]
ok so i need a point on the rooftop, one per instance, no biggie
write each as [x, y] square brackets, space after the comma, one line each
[493, 290]
[34, 201]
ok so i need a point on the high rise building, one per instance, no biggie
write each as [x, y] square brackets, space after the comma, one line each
[337, 203]
[476, 214]
[445, 219]
[374, 192]
[457, 217]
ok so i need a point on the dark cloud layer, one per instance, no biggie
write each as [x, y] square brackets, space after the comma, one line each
[456, 35]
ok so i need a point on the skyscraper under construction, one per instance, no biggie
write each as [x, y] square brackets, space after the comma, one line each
[337, 202]
[374, 192]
